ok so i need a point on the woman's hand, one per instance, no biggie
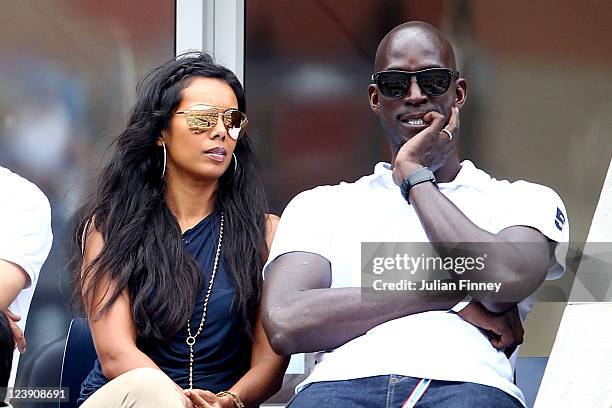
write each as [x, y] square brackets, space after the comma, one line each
[182, 393]
[206, 399]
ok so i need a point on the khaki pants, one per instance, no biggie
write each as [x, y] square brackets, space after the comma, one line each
[138, 388]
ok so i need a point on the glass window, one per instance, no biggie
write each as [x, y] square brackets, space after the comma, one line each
[68, 74]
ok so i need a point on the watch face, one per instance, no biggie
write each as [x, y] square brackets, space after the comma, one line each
[404, 187]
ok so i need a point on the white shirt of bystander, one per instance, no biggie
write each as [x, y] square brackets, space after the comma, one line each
[25, 238]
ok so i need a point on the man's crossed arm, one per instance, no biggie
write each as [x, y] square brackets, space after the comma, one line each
[14, 280]
[301, 313]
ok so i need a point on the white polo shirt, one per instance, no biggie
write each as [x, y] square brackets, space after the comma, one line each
[25, 238]
[333, 221]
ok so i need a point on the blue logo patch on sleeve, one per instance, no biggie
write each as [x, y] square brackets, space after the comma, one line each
[560, 219]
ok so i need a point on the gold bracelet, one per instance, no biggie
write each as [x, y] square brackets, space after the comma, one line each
[237, 401]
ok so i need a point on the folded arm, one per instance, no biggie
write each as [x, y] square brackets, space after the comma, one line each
[517, 256]
[301, 313]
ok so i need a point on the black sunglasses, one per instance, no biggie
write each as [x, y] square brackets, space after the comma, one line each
[395, 83]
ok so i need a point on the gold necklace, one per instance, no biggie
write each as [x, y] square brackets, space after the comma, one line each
[191, 339]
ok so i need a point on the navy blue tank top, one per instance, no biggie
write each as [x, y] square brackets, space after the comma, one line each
[222, 350]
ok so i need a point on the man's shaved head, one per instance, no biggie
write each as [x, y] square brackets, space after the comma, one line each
[411, 47]
[414, 35]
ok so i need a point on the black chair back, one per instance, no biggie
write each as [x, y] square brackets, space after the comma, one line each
[79, 358]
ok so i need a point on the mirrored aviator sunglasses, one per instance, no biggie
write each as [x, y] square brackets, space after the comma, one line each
[395, 83]
[201, 120]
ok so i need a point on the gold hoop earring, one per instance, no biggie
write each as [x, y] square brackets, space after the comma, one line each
[164, 168]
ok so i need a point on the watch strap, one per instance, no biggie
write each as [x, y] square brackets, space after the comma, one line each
[418, 176]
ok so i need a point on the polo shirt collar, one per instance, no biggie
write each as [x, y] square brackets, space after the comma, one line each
[467, 175]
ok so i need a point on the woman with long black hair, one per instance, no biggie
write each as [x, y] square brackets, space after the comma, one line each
[172, 245]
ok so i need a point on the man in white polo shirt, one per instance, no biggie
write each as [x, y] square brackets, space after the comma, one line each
[419, 345]
[25, 242]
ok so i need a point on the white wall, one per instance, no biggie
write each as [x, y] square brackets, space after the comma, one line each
[579, 370]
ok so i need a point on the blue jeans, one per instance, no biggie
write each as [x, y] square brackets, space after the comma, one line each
[390, 391]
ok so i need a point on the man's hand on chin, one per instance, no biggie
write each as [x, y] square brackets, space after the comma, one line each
[429, 148]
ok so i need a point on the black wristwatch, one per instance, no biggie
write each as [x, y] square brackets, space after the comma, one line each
[419, 176]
